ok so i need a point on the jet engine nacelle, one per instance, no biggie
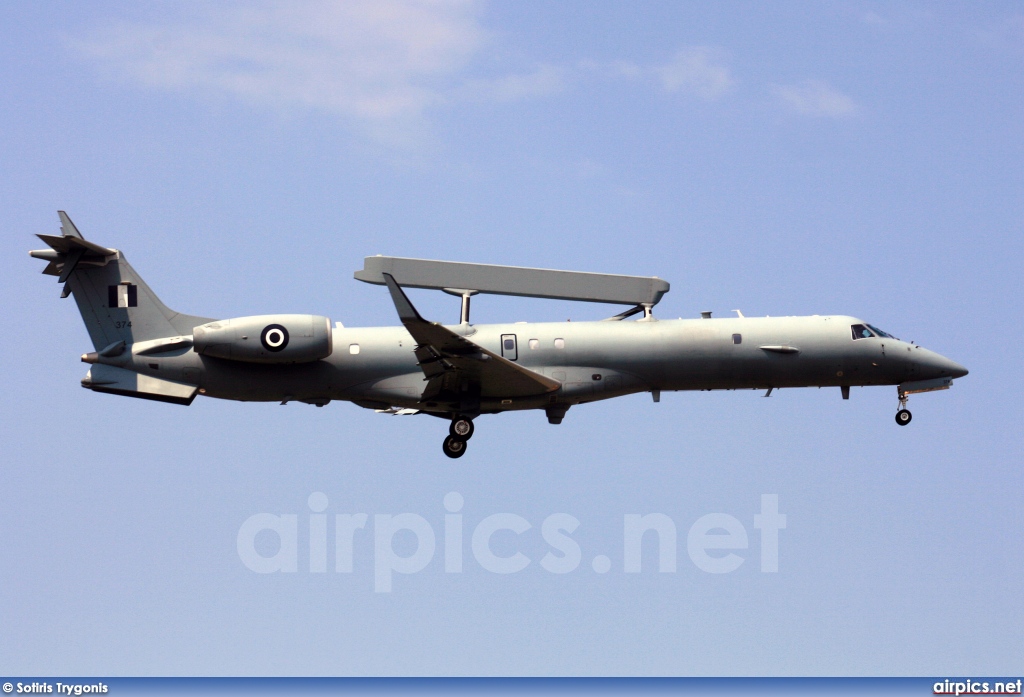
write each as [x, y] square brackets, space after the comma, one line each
[266, 339]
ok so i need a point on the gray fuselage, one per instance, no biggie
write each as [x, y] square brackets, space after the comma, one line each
[375, 366]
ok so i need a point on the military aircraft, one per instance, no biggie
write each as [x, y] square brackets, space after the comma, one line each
[458, 372]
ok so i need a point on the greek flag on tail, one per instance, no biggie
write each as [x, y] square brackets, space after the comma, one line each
[123, 295]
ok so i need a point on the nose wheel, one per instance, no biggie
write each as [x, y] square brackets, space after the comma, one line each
[903, 416]
[454, 447]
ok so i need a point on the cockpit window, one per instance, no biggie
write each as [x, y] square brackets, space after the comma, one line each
[878, 331]
[861, 331]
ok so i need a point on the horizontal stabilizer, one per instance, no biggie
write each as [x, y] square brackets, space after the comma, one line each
[68, 250]
[455, 277]
[114, 380]
[65, 245]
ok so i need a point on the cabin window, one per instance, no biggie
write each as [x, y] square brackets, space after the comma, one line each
[559, 343]
[510, 344]
[860, 331]
[737, 338]
[353, 349]
[534, 343]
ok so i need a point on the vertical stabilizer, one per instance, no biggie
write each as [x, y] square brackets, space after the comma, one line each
[114, 301]
[67, 228]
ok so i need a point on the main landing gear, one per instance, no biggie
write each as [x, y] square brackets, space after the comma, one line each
[903, 416]
[459, 432]
[461, 428]
[453, 447]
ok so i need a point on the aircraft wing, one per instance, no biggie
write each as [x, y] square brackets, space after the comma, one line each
[455, 365]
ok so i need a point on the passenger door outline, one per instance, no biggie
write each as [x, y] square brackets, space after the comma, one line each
[509, 350]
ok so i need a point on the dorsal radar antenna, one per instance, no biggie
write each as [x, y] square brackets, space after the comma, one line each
[465, 280]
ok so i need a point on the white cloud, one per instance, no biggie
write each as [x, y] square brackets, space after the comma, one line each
[696, 70]
[546, 79]
[626, 69]
[814, 98]
[381, 63]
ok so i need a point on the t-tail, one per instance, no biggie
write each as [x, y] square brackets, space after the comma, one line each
[115, 303]
[119, 311]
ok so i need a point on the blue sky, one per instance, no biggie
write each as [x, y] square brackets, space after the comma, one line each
[859, 158]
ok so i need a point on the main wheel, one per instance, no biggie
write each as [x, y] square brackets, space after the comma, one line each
[454, 447]
[461, 428]
[903, 417]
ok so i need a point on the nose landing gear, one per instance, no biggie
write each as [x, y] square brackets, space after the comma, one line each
[459, 432]
[903, 416]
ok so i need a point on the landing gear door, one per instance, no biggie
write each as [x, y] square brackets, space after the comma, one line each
[509, 349]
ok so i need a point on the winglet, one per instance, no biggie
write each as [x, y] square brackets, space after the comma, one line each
[406, 312]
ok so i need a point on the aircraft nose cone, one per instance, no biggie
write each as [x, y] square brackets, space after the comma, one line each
[956, 370]
[949, 368]
[934, 365]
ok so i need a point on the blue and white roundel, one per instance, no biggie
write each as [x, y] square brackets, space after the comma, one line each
[274, 337]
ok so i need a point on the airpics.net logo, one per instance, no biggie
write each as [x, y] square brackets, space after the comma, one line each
[716, 543]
